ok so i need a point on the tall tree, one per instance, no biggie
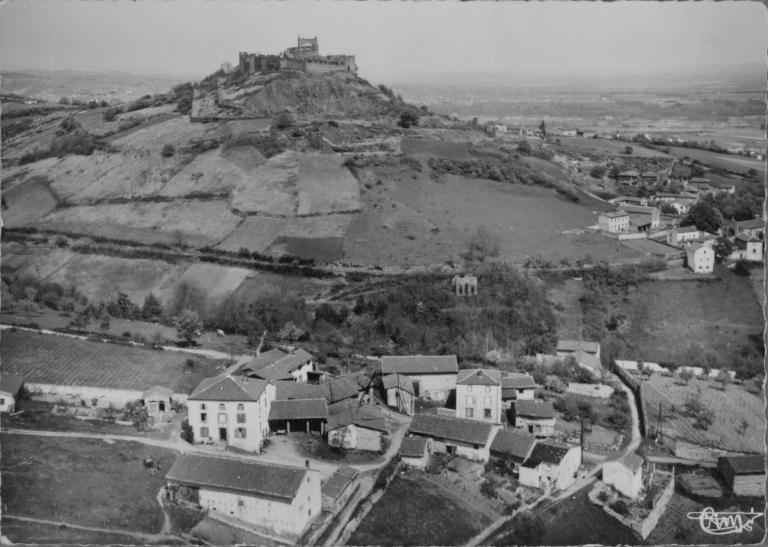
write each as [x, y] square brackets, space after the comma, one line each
[704, 217]
[188, 325]
[152, 309]
[104, 321]
[543, 128]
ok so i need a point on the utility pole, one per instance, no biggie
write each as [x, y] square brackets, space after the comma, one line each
[582, 439]
[659, 426]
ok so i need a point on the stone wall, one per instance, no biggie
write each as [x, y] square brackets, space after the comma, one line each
[75, 395]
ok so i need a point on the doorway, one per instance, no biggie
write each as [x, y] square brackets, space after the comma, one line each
[223, 434]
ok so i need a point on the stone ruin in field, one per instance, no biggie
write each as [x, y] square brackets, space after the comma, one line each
[464, 285]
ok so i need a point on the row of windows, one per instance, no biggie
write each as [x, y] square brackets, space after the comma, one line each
[240, 407]
[471, 413]
[239, 433]
[223, 418]
[487, 389]
[472, 400]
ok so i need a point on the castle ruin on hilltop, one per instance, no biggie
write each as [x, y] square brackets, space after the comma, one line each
[305, 56]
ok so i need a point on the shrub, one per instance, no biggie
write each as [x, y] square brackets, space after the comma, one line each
[488, 489]
[126, 334]
[168, 151]
[621, 507]
[187, 433]
[603, 496]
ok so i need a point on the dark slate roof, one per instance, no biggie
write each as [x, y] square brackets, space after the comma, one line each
[747, 465]
[588, 359]
[360, 379]
[228, 388]
[530, 463]
[616, 214]
[10, 383]
[252, 477]
[276, 364]
[391, 381]
[631, 461]
[639, 209]
[296, 390]
[479, 377]
[751, 224]
[342, 406]
[413, 447]
[746, 238]
[534, 409]
[513, 443]
[339, 481]
[420, 364]
[338, 390]
[157, 389]
[550, 451]
[518, 382]
[367, 416]
[457, 429]
[573, 345]
[298, 409]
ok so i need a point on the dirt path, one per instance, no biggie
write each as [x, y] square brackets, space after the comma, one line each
[162, 536]
[342, 519]
[167, 524]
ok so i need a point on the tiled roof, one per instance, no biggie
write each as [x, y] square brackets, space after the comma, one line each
[686, 229]
[339, 481]
[157, 389]
[479, 377]
[457, 429]
[631, 461]
[391, 381]
[298, 409]
[534, 409]
[747, 238]
[297, 390]
[276, 364]
[747, 465]
[518, 382]
[696, 247]
[261, 479]
[413, 447]
[639, 209]
[338, 390]
[420, 364]
[10, 383]
[513, 443]
[230, 388]
[573, 345]
[751, 224]
[617, 214]
[588, 359]
[550, 451]
[360, 379]
[629, 174]
[367, 416]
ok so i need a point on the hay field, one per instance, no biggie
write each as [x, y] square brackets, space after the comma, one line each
[100, 277]
[254, 234]
[731, 407]
[215, 281]
[271, 189]
[450, 150]
[321, 250]
[28, 202]
[197, 222]
[325, 185]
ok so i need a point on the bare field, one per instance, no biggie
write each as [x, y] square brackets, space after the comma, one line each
[177, 130]
[262, 283]
[271, 189]
[732, 407]
[450, 150]
[325, 185]
[27, 203]
[215, 281]
[254, 234]
[149, 222]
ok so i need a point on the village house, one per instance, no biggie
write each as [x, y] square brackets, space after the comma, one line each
[649, 177]
[399, 390]
[281, 499]
[747, 248]
[639, 223]
[415, 452]
[11, 388]
[157, 402]
[678, 236]
[478, 395]
[231, 410]
[625, 474]
[700, 258]
[569, 132]
[628, 177]
[535, 417]
[681, 205]
[339, 393]
[665, 197]
[551, 465]
[629, 200]
[568, 347]
[361, 428]
[517, 386]
[589, 362]
[753, 228]
[433, 376]
[512, 446]
[650, 212]
[614, 222]
[298, 415]
[455, 436]
[278, 365]
[744, 474]
[339, 488]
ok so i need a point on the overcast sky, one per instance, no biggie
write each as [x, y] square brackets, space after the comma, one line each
[391, 40]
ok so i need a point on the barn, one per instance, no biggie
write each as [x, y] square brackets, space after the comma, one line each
[744, 474]
[298, 415]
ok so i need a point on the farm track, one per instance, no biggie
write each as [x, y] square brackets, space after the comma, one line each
[148, 537]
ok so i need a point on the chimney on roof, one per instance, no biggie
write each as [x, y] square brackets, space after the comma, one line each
[479, 373]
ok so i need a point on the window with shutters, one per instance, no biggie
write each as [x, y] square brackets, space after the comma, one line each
[470, 413]
[203, 417]
[204, 432]
[241, 418]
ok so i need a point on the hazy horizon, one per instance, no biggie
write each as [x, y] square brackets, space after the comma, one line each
[391, 41]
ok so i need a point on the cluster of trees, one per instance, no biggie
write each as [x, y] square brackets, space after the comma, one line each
[70, 140]
[743, 204]
[508, 170]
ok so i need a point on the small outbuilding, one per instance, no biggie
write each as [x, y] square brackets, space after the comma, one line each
[339, 488]
[305, 415]
[400, 393]
[415, 451]
[534, 417]
[157, 401]
[11, 386]
[361, 428]
[744, 474]
[625, 474]
[513, 446]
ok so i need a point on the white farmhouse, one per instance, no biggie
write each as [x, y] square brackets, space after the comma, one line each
[614, 222]
[281, 499]
[625, 474]
[701, 259]
[478, 395]
[455, 436]
[231, 410]
[433, 376]
[551, 465]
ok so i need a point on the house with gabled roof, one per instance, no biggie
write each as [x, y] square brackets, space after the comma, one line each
[517, 387]
[11, 386]
[455, 436]
[628, 177]
[279, 365]
[278, 499]
[567, 347]
[628, 200]
[400, 393]
[754, 228]
[232, 410]
[700, 258]
[552, 465]
[157, 401]
[747, 248]
[589, 362]
[614, 221]
[625, 474]
[534, 417]
[294, 415]
[339, 488]
[512, 445]
[433, 376]
[358, 428]
[478, 395]
[415, 451]
[744, 474]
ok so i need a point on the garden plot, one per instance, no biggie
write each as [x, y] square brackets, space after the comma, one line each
[449, 150]
[254, 234]
[270, 189]
[194, 222]
[215, 281]
[28, 202]
[326, 185]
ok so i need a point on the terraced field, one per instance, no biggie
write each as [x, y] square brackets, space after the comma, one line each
[40, 262]
[326, 186]
[27, 202]
[272, 189]
[254, 234]
[215, 281]
[450, 150]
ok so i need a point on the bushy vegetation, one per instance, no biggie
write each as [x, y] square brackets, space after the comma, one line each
[269, 146]
[70, 140]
